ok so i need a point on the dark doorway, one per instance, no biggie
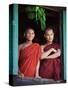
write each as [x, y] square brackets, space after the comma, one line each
[53, 20]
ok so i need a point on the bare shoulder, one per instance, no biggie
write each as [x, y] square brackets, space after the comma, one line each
[21, 46]
[42, 48]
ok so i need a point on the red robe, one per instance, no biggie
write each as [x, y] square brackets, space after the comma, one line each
[28, 59]
[51, 68]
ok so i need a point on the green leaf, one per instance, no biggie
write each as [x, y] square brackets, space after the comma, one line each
[37, 13]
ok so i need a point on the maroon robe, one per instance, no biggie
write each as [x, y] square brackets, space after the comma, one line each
[51, 68]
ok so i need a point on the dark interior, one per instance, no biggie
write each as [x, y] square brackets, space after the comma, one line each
[52, 19]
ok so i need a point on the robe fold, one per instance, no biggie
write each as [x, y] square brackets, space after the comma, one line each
[28, 59]
[51, 68]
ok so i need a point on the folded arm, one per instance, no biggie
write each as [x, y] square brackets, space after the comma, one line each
[47, 53]
[55, 55]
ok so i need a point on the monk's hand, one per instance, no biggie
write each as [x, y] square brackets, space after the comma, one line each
[53, 50]
[20, 74]
[37, 76]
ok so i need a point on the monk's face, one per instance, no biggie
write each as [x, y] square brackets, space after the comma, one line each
[49, 35]
[30, 34]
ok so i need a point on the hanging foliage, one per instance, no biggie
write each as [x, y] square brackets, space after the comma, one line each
[38, 14]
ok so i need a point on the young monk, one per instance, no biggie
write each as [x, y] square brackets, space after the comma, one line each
[29, 54]
[50, 67]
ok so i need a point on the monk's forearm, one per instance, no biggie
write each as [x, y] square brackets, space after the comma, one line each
[55, 55]
[45, 54]
[37, 69]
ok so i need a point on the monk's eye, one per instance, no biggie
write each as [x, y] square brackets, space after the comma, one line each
[51, 34]
[32, 33]
[47, 35]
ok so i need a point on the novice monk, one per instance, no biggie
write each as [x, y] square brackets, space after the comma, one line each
[29, 55]
[50, 67]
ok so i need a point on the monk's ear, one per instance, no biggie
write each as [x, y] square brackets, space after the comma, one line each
[44, 35]
[54, 34]
[24, 35]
